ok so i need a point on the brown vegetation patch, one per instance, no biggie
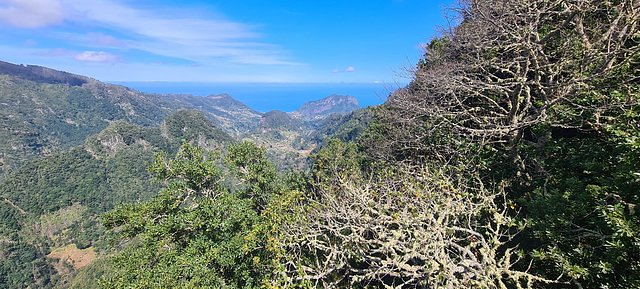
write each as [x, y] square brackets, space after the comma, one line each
[72, 256]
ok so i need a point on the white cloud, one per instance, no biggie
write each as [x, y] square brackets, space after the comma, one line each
[31, 13]
[97, 56]
[86, 56]
[159, 24]
[334, 71]
[179, 33]
[350, 69]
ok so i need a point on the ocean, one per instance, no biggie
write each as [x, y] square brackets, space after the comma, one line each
[272, 96]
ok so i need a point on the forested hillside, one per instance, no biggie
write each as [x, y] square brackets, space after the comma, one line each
[56, 201]
[323, 107]
[289, 139]
[510, 161]
[44, 111]
[73, 148]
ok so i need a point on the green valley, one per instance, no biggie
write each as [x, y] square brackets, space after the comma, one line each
[509, 161]
[74, 148]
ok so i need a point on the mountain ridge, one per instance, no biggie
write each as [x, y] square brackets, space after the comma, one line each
[323, 107]
[42, 74]
[72, 147]
[45, 111]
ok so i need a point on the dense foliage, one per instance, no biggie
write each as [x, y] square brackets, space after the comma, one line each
[344, 127]
[510, 161]
[541, 97]
[276, 119]
[56, 200]
[197, 232]
[83, 140]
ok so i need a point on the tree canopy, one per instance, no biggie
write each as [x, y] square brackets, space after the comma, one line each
[510, 161]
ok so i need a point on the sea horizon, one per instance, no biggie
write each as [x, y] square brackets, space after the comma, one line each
[271, 96]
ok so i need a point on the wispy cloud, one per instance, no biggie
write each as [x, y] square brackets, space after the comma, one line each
[31, 13]
[157, 23]
[97, 56]
[348, 69]
[180, 34]
[86, 56]
[186, 33]
[105, 40]
[57, 52]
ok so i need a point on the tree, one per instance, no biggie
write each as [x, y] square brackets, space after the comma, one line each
[510, 66]
[543, 95]
[196, 232]
[259, 179]
[400, 227]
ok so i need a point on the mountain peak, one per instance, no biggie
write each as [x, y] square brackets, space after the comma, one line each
[323, 107]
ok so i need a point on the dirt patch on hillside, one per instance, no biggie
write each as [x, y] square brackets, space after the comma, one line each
[73, 256]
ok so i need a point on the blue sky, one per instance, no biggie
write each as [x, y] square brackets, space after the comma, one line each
[220, 41]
